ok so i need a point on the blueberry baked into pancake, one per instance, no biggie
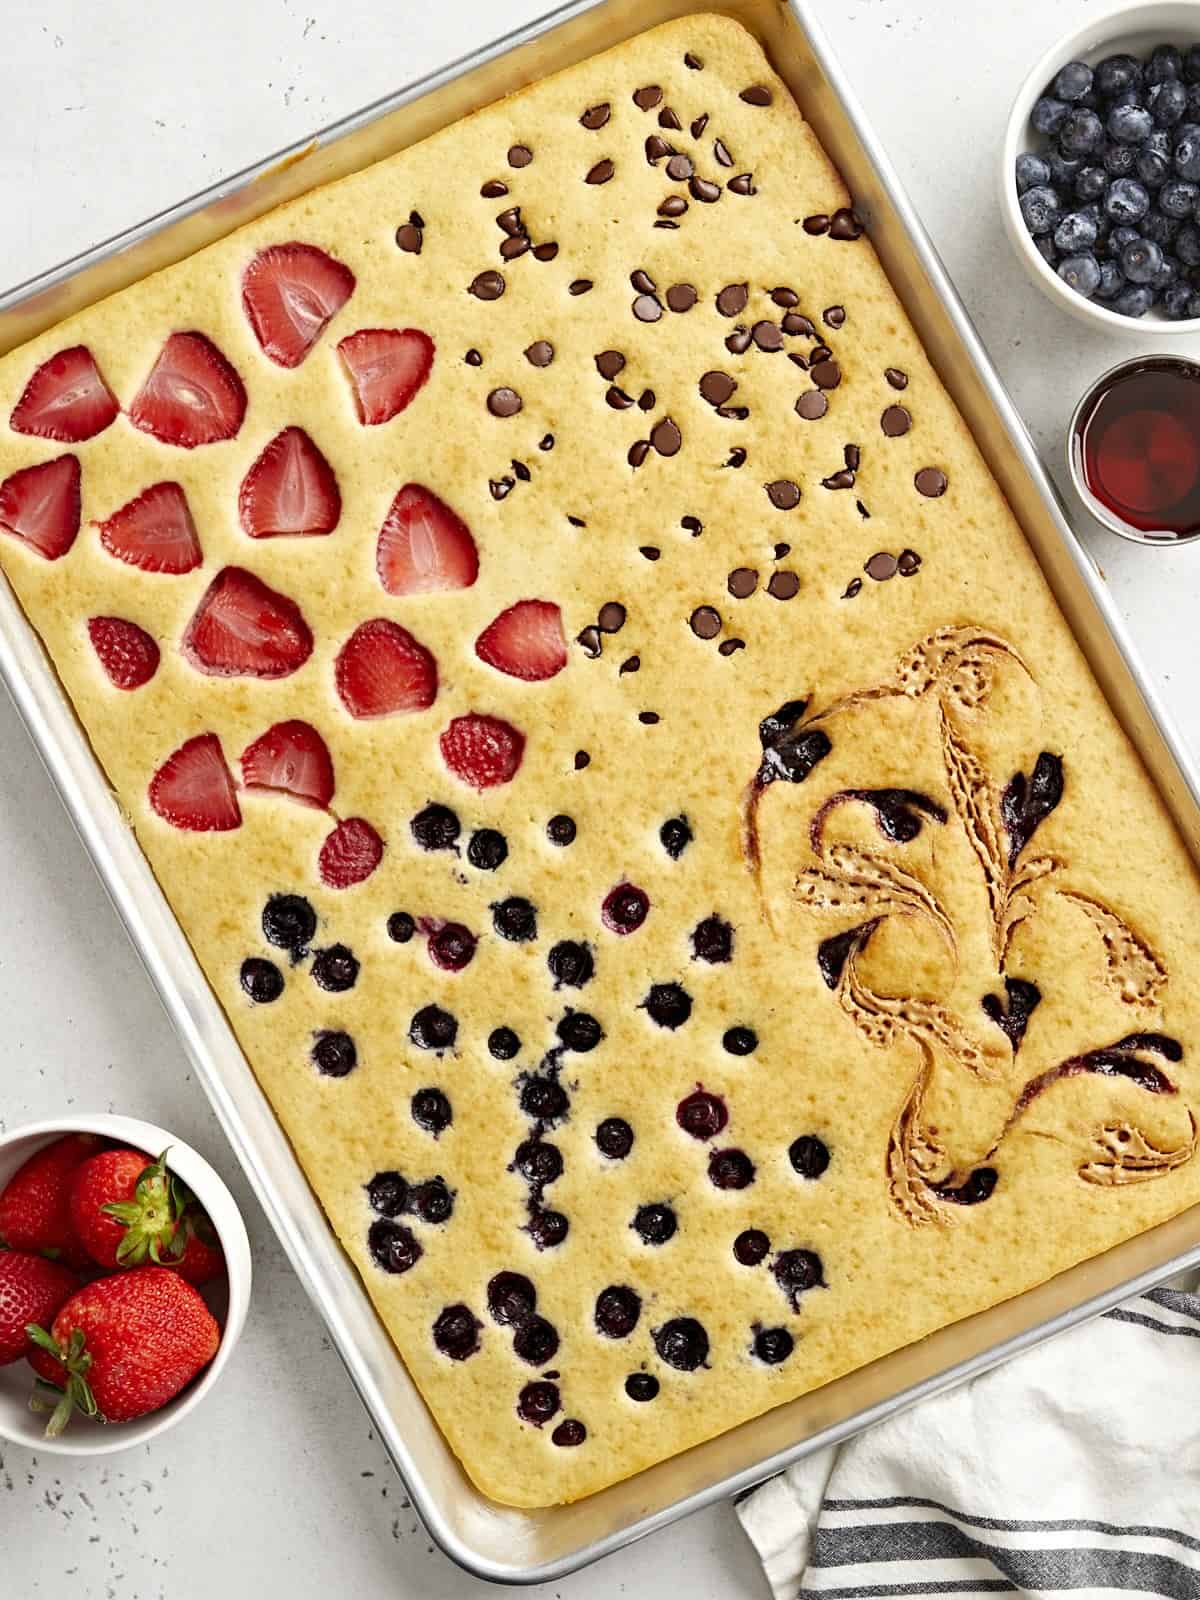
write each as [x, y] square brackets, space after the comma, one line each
[616, 760]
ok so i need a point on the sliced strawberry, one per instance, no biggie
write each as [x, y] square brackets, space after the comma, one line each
[244, 629]
[290, 292]
[127, 653]
[386, 367]
[482, 751]
[66, 399]
[382, 669]
[351, 853]
[194, 789]
[40, 505]
[154, 532]
[526, 641]
[192, 396]
[291, 758]
[424, 546]
[289, 489]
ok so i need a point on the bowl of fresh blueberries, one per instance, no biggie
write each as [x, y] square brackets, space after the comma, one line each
[1101, 172]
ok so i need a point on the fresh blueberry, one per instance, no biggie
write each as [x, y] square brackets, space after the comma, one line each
[1162, 229]
[1119, 160]
[1045, 247]
[1031, 170]
[1187, 244]
[1140, 260]
[1134, 301]
[1041, 209]
[1074, 233]
[1177, 198]
[1127, 201]
[1117, 73]
[1063, 170]
[1191, 64]
[1177, 300]
[1119, 238]
[1090, 182]
[1193, 102]
[1082, 273]
[1073, 80]
[1167, 274]
[1126, 124]
[1049, 114]
[1082, 133]
[1186, 154]
[1153, 169]
[1112, 281]
[1165, 63]
[1168, 103]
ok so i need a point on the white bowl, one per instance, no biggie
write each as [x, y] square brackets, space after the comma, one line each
[228, 1298]
[1132, 29]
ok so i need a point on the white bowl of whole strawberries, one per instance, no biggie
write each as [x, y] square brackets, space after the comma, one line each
[124, 1283]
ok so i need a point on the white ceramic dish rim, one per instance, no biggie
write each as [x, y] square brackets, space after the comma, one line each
[211, 1190]
[1168, 23]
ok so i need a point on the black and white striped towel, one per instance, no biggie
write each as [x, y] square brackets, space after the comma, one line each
[1075, 1467]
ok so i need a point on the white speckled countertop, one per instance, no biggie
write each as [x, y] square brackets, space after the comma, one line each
[276, 1485]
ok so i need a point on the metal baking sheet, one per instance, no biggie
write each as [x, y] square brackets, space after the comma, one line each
[493, 1541]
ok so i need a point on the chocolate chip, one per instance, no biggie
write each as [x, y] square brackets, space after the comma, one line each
[673, 206]
[589, 641]
[742, 184]
[756, 95]
[812, 405]
[826, 374]
[409, 236]
[693, 61]
[692, 525]
[513, 247]
[650, 551]
[540, 353]
[783, 495]
[666, 437]
[739, 413]
[609, 363]
[641, 280]
[656, 148]
[504, 402]
[736, 457]
[908, 563]
[732, 299]
[699, 125]
[521, 471]
[820, 352]
[834, 316]
[796, 324]
[519, 155]
[646, 308]
[783, 585]
[680, 167]
[582, 759]
[646, 400]
[579, 286]
[838, 480]
[577, 522]
[882, 566]
[721, 151]
[646, 98]
[852, 588]
[705, 190]
[630, 664]
[743, 581]
[795, 356]
[501, 488]
[648, 717]
[782, 550]
[668, 119]
[895, 422]
[510, 221]
[612, 617]
[817, 223]
[473, 358]
[705, 622]
[785, 298]
[728, 646]
[681, 296]
[601, 172]
[862, 510]
[596, 116]
[716, 387]
[738, 342]
[897, 379]
[845, 224]
[545, 252]
[767, 336]
[638, 451]
[493, 189]
[546, 442]
[617, 398]
[931, 482]
[487, 285]
[852, 456]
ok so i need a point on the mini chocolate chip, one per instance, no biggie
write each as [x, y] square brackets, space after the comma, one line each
[501, 488]
[612, 617]
[409, 237]
[656, 148]
[540, 353]
[646, 400]
[738, 342]
[545, 252]
[699, 124]
[717, 387]
[692, 525]
[493, 189]
[668, 119]
[767, 336]
[783, 494]
[666, 437]
[797, 324]
[931, 482]
[487, 285]
[783, 585]
[582, 759]
[728, 646]
[649, 717]
[834, 316]
[646, 308]
[812, 405]
[673, 206]
[882, 566]
[782, 550]
[736, 457]
[579, 286]
[897, 379]
[705, 190]
[504, 402]
[862, 510]
[681, 296]
[650, 551]
[522, 471]
[907, 563]
[617, 398]
[596, 116]
[756, 95]
[895, 422]
[817, 223]
[845, 224]
[721, 151]
[852, 456]
[705, 622]
[838, 480]
[647, 97]
[601, 172]
[546, 442]
[519, 155]
[852, 588]
[680, 167]
[473, 358]
[742, 582]
[630, 664]
[638, 451]
[609, 363]
[589, 641]
[826, 374]
[742, 184]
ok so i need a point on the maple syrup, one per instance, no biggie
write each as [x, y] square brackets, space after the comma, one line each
[1135, 448]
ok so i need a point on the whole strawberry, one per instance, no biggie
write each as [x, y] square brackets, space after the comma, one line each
[123, 1346]
[128, 1210]
[35, 1204]
[31, 1290]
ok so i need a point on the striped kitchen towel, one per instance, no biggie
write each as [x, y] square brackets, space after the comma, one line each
[1075, 1467]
